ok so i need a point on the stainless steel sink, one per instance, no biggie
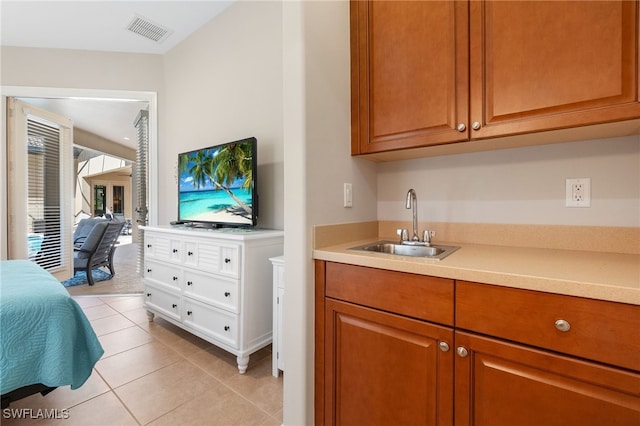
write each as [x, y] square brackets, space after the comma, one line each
[433, 251]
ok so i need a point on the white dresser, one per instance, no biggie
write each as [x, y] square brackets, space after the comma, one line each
[216, 284]
[278, 308]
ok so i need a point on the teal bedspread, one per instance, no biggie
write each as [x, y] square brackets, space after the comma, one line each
[44, 335]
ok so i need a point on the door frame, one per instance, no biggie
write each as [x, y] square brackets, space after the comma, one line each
[52, 92]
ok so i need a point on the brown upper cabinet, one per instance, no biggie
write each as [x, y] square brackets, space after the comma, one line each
[435, 72]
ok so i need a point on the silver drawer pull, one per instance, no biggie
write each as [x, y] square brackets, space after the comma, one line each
[444, 346]
[563, 325]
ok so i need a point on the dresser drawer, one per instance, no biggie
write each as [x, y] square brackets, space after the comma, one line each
[163, 247]
[217, 258]
[212, 289]
[213, 322]
[162, 300]
[603, 331]
[416, 296]
[164, 273]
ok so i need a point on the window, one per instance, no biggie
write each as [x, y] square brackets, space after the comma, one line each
[40, 188]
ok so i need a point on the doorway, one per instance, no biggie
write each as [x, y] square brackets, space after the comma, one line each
[117, 196]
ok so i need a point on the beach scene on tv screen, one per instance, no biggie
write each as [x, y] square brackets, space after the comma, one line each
[216, 184]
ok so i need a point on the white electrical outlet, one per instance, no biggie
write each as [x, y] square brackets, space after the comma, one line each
[578, 192]
[348, 195]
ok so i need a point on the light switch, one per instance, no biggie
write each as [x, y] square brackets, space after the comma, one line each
[348, 195]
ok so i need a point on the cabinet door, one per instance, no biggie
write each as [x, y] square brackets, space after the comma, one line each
[280, 331]
[409, 74]
[383, 369]
[544, 65]
[499, 383]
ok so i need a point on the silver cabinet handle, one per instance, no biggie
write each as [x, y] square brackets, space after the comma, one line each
[462, 351]
[462, 127]
[563, 325]
[444, 346]
[475, 125]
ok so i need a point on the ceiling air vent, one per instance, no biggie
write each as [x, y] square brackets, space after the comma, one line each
[148, 29]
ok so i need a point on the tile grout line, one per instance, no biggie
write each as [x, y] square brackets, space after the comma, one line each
[113, 391]
[181, 357]
[232, 389]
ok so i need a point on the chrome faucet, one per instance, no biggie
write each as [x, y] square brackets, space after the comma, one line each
[412, 201]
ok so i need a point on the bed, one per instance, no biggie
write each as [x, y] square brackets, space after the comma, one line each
[46, 341]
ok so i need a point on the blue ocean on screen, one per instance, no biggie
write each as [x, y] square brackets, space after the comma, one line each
[207, 204]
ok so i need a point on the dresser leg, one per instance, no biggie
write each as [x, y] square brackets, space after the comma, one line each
[243, 363]
[150, 316]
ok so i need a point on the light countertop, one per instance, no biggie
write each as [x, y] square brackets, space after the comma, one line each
[604, 276]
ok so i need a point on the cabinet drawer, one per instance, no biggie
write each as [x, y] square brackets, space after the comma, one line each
[163, 301]
[213, 322]
[215, 258]
[162, 247]
[164, 273]
[416, 296]
[218, 291]
[603, 331]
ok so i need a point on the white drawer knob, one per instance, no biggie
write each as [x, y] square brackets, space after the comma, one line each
[563, 325]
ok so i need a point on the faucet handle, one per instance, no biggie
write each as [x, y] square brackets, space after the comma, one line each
[403, 234]
[426, 236]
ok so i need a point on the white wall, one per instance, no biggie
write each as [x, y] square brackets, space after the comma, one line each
[70, 73]
[80, 69]
[224, 83]
[317, 163]
[518, 186]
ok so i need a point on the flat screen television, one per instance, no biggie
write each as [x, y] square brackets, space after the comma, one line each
[217, 185]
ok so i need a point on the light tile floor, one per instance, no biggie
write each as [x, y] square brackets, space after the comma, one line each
[154, 373]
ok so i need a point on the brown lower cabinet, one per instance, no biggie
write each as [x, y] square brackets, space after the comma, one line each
[382, 361]
[388, 369]
[500, 383]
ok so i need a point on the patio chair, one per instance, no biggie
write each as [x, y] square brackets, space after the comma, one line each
[83, 229]
[97, 249]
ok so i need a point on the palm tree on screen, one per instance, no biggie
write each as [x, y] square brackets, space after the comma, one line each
[222, 169]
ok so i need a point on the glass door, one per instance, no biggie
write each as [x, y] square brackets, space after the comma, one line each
[118, 200]
[99, 200]
[112, 199]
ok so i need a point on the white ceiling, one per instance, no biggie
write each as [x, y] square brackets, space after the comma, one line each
[101, 26]
[112, 120]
